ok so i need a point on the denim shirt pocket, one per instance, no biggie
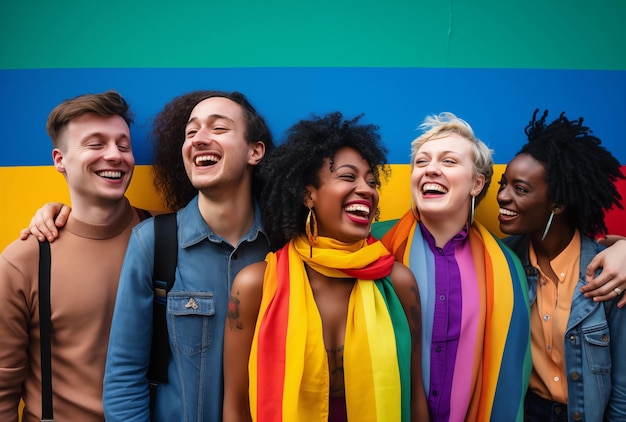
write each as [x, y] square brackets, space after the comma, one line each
[191, 320]
[597, 350]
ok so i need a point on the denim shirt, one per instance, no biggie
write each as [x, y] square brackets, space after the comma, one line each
[196, 313]
[595, 344]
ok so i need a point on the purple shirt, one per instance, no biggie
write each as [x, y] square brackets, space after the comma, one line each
[446, 330]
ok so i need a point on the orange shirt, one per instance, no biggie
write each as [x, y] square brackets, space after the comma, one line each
[548, 321]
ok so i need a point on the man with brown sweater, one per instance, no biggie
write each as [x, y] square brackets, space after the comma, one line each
[92, 149]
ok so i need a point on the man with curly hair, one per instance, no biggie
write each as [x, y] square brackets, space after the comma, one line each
[208, 146]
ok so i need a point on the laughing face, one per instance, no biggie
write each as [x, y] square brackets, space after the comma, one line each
[523, 197]
[215, 151]
[94, 153]
[346, 201]
[443, 179]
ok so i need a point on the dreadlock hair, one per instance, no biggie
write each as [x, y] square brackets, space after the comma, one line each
[168, 136]
[580, 173]
[297, 162]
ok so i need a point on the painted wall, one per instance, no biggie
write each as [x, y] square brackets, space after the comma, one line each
[490, 62]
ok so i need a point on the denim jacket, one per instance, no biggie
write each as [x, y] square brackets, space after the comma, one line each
[595, 344]
[196, 313]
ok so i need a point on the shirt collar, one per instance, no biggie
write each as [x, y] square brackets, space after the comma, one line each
[193, 229]
[457, 238]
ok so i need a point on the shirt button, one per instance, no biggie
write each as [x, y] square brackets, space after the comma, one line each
[438, 349]
[605, 338]
[546, 317]
[577, 416]
[557, 379]
[235, 256]
[435, 393]
[562, 274]
[575, 376]
[442, 297]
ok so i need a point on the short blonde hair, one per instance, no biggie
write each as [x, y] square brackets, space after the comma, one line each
[435, 126]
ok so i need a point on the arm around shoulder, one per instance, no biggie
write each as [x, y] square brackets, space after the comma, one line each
[243, 310]
[46, 221]
[611, 262]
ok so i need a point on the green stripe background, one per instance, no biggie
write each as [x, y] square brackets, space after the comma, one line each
[542, 34]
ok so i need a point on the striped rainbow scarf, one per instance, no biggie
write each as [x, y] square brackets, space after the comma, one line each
[288, 367]
[492, 377]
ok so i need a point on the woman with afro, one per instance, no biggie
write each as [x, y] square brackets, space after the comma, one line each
[328, 327]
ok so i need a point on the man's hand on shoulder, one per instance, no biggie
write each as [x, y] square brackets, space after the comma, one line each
[611, 281]
[46, 222]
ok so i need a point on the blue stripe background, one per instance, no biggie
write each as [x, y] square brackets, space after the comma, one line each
[498, 103]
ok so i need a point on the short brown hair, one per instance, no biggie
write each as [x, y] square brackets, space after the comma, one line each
[109, 103]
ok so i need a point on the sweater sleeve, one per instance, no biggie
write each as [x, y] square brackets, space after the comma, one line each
[18, 272]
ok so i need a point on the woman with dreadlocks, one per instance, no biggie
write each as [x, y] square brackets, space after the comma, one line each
[552, 197]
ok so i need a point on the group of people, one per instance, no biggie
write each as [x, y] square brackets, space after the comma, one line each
[290, 302]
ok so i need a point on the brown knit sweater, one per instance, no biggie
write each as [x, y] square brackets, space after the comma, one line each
[86, 264]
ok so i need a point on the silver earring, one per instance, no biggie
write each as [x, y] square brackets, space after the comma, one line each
[545, 232]
[472, 206]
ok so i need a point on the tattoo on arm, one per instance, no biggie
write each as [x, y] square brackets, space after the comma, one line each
[233, 313]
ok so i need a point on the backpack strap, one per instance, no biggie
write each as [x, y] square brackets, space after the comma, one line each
[45, 331]
[163, 275]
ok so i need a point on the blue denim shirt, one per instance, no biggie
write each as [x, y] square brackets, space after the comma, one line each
[196, 313]
[595, 344]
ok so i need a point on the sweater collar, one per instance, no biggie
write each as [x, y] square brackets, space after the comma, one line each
[101, 231]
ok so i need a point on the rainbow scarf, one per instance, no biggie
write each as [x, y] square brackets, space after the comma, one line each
[493, 363]
[288, 367]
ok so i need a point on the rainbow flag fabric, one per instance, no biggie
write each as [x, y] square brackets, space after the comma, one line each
[493, 363]
[288, 367]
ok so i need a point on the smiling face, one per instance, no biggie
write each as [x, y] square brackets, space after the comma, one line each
[523, 197]
[94, 154]
[346, 200]
[215, 151]
[443, 180]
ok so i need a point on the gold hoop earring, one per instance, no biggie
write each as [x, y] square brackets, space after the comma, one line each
[311, 227]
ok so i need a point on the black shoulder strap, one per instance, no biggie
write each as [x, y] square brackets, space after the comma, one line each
[45, 331]
[165, 260]
[165, 248]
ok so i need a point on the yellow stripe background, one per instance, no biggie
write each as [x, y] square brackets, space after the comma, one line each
[25, 189]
